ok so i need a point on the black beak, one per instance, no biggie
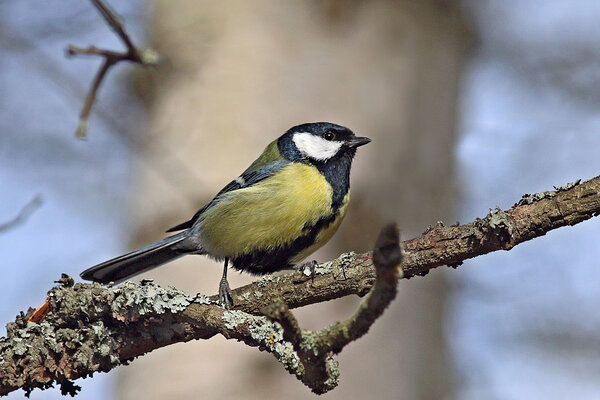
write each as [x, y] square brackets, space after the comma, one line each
[358, 141]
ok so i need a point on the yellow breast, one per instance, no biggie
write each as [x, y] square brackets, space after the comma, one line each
[326, 234]
[270, 214]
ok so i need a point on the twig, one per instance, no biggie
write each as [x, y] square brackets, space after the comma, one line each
[387, 257]
[81, 131]
[145, 57]
[90, 328]
[115, 22]
[279, 312]
[315, 350]
[24, 214]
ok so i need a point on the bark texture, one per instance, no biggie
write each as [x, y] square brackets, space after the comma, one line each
[89, 328]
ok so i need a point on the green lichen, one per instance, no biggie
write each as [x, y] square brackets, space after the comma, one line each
[568, 186]
[134, 301]
[333, 372]
[498, 224]
[337, 266]
[202, 299]
[532, 198]
[266, 280]
[245, 296]
[83, 331]
[54, 342]
[268, 334]
[548, 194]
[498, 220]
[65, 280]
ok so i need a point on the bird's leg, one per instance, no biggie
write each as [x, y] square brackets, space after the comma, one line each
[310, 265]
[225, 296]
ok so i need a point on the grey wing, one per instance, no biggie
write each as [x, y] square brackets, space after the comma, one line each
[247, 178]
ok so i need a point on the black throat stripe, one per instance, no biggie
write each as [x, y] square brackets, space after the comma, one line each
[336, 170]
[337, 173]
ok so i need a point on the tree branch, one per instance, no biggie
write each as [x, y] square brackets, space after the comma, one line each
[315, 350]
[145, 57]
[89, 328]
[23, 215]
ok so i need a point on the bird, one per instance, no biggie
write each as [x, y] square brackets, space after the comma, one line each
[287, 204]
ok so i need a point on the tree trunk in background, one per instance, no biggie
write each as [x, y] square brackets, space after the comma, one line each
[237, 75]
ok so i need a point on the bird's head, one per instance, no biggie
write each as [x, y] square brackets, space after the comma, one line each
[320, 142]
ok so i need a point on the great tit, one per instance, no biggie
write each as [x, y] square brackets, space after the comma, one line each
[286, 205]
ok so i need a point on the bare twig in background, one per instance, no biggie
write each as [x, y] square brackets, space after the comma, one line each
[22, 216]
[89, 328]
[145, 57]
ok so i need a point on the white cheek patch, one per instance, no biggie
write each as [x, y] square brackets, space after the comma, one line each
[316, 147]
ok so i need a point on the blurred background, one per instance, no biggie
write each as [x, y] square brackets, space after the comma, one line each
[470, 104]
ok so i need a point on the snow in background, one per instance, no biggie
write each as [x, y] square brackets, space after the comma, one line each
[525, 324]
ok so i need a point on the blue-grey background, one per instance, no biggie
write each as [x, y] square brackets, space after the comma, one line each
[525, 324]
[83, 184]
[521, 324]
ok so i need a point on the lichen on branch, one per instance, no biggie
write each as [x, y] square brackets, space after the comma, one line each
[87, 328]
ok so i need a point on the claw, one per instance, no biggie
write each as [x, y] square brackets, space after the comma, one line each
[311, 266]
[225, 295]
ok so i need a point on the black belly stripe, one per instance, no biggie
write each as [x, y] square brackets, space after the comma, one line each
[268, 261]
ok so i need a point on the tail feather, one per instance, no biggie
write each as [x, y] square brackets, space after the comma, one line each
[120, 268]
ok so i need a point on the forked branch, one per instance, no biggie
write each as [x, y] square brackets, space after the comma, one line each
[85, 328]
[145, 57]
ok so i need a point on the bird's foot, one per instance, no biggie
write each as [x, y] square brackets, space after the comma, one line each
[308, 268]
[225, 295]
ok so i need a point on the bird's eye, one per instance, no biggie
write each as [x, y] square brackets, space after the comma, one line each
[328, 135]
